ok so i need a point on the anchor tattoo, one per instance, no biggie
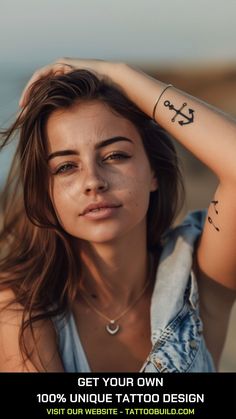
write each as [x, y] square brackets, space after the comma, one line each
[216, 211]
[189, 119]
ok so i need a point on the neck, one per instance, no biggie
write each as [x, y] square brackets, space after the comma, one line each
[114, 272]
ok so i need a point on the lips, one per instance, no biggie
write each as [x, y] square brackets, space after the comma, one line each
[96, 207]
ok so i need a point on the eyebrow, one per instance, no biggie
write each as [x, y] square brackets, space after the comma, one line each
[99, 145]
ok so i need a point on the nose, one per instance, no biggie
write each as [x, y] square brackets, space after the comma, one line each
[94, 182]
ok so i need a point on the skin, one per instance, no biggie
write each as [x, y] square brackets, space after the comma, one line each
[105, 246]
[86, 175]
[107, 252]
[113, 250]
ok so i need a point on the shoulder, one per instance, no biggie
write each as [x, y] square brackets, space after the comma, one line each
[11, 355]
[10, 323]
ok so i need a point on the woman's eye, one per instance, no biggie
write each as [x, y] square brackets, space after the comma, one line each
[117, 156]
[65, 168]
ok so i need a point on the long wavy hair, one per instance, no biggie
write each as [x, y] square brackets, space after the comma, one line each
[38, 261]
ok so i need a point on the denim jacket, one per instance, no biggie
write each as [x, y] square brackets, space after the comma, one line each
[176, 328]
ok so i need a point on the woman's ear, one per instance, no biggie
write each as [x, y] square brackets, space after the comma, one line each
[154, 183]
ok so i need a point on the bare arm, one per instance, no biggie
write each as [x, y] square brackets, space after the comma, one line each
[205, 131]
[211, 136]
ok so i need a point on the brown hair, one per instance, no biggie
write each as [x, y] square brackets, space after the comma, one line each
[38, 259]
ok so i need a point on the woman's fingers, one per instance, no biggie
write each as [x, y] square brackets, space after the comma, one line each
[56, 68]
[63, 66]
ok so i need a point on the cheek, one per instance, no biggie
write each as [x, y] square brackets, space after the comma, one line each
[139, 193]
[64, 199]
[141, 174]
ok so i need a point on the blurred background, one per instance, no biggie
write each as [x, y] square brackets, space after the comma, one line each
[187, 43]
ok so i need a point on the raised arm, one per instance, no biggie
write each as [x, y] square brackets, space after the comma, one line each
[211, 136]
[205, 131]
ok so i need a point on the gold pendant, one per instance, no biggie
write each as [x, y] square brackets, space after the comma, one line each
[112, 328]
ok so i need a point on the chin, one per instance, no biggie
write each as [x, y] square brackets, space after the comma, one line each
[101, 235]
[103, 239]
[107, 233]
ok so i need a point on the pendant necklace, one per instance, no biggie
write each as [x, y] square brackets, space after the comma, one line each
[112, 327]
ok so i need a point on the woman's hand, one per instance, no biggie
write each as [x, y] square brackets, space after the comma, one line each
[206, 132]
[63, 66]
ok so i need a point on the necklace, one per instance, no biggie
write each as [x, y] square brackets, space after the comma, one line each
[112, 327]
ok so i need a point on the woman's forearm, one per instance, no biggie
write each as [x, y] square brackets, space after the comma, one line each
[205, 131]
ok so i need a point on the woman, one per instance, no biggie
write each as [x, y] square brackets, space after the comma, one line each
[93, 275]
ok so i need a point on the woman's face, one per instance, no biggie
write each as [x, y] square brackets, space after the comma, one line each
[97, 158]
